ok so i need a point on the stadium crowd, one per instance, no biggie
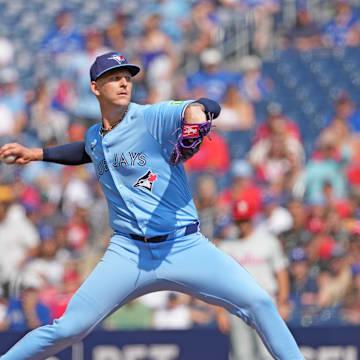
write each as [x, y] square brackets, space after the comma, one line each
[53, 219]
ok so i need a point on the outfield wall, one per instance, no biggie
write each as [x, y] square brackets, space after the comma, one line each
[340, 343]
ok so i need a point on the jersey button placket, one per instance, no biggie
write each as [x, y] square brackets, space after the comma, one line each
[107, 154]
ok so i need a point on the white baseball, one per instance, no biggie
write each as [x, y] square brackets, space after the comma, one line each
[8, 159]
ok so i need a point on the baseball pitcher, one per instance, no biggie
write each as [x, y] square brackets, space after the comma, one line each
[137, 152]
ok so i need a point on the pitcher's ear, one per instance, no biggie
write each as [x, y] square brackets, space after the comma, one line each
[94, 88]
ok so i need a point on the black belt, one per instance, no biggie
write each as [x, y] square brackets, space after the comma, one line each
[190, 229]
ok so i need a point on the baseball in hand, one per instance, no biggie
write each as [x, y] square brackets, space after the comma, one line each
[8, 159]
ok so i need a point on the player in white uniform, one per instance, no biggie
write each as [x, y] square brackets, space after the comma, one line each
[137, 151]
[260, 253]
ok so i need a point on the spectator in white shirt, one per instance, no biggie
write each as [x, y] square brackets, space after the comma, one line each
[18, 236]
[175, 316]
[260, 253]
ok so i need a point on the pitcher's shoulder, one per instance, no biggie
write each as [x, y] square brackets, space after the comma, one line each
[93, 131]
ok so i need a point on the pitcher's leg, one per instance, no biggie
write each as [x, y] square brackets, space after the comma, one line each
[262, 351]
[113, 282]
[207, 272]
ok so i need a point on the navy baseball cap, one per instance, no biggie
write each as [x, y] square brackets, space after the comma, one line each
[109, 61]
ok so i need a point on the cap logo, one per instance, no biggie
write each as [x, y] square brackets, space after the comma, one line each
[118, 58]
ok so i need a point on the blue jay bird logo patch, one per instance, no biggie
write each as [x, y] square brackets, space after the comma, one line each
[118, 58]
[146, 181]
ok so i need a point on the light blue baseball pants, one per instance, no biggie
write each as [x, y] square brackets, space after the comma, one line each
[130, 268]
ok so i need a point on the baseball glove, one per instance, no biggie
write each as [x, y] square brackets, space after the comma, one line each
[190, 139]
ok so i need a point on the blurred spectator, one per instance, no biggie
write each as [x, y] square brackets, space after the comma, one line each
[46, 269]
[260, 253]
[276, 218]
[276, 122]
[242, 187]
[335, 279]
[80, 101]
[18, 236]
[202, 29]
[76, 131]
[41, 190]
[345, 110]
[3, 309]
[76, 190]
[334, 228]
[203, 315]
[279, 158]
[64, 37]
[351, 310]
[316, 216]
[322, 244]
[344, 28]
[306, 34]
[174, 16]
[78, 230]
[175, 316]
[99, 226]
[354, 252]
[59, 297]
[264, 12]
[303, 290]
[347, 139]
[205, 200]
[131, 316]
[211, 80]
[297, 235]
[253, 85]
[158, 57]
[90, 256]
[326, 166]
[141, 89]
[13, 97]
[261, 15]
[353, 174]
[116, 33]
[28, 200]
[236, 112]
[48, 123]
[7, 52]
[156, 300]
[26, 312]
[7, 124]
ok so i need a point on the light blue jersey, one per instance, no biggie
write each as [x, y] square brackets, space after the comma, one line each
[145, 194]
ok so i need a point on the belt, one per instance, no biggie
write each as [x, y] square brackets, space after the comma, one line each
[190, 229]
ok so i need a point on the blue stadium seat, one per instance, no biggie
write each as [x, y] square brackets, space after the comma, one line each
[239, 142]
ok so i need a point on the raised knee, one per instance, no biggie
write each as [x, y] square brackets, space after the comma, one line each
[68, 330]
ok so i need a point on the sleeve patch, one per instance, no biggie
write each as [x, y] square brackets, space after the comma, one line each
[176, 102]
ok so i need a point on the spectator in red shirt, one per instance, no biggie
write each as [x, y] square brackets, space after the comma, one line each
[78, 230]
[62, 296]
[275, 120]
[213, 157]
[242, 187]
